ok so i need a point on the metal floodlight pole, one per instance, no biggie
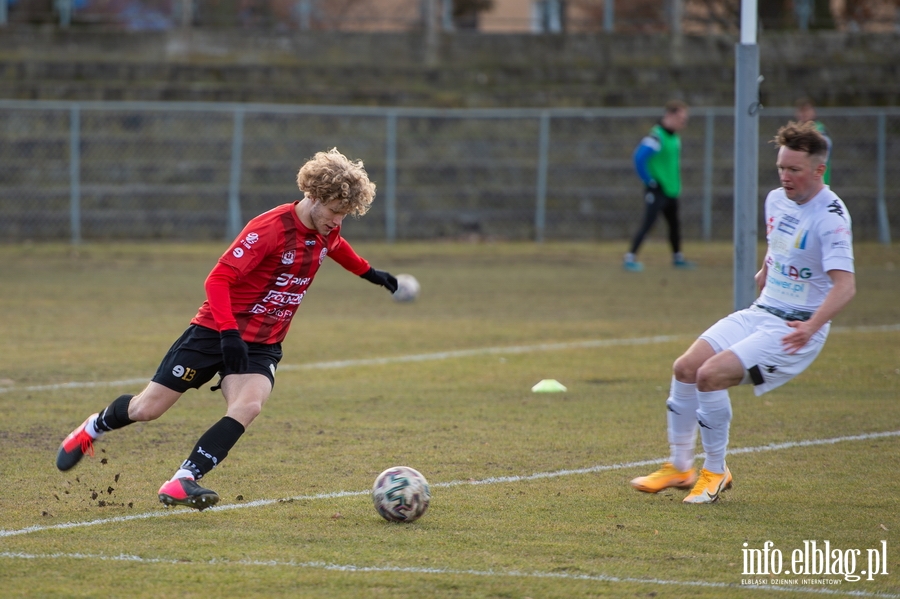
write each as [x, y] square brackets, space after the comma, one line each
[234, 225]
[540, 211]
[74, 173]
[746, 157]
[708, 161]
[390, 175]
[884, 225]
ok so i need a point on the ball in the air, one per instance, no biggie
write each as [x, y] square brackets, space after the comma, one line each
[407, 288]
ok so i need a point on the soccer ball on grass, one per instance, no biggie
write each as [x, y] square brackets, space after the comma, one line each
[401, 494]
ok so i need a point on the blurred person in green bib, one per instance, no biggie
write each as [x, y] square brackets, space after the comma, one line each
[657, 160]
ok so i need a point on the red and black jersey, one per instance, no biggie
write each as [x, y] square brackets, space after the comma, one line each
[258, 284]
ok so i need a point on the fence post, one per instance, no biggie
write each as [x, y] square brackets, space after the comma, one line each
[609, 15]
[884, 226]
[74, 173]
[187, 13]
[447, 16]
[234, 187]
[540, 212]
[65, 9]
[746, 172]
[708, 174]
[390, 178]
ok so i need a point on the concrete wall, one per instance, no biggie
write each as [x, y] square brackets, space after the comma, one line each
[461, 70]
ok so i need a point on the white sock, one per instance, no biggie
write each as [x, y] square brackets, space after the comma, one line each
[714, 415]
[183, 473]
[681, 416]
[629, 257]
[91, 427]
[678, 256]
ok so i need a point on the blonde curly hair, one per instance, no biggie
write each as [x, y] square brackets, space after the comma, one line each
[330, 176]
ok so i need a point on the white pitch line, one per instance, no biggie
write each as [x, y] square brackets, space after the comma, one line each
[446, 355]
[486, 481]
[482, 351]
[439, 571]
[76, 385]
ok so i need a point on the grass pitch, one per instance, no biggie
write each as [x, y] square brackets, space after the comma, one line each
[530, 491]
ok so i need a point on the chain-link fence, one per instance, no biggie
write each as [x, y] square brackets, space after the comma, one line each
[123, 170]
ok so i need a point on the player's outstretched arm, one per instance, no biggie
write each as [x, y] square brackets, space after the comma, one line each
[381, 277]
[343, 254]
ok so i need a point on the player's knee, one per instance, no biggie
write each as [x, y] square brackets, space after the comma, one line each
[143, 411]
[704, 380]
[245, 412]
[685, 370]
[253, 409]
[710, 378]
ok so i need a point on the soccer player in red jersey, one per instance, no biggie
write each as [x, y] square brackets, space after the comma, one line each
[252, 295]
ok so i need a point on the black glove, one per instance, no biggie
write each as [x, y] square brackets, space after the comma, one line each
[234, 352]
[381, 277]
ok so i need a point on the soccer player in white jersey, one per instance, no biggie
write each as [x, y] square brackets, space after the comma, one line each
[805, 280]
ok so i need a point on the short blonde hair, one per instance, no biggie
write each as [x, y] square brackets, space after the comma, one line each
[330, 176]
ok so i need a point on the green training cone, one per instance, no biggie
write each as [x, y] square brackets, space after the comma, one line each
[549, 386]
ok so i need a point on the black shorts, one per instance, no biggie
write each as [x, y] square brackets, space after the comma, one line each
[196, 358]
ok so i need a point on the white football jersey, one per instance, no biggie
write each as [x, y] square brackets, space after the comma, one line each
[805, 242]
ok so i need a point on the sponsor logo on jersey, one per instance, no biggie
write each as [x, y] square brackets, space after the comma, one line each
[310, 242]
[287, 278]
[249, 240]
[791, 272]
[800, 241]
[283, 298]
[278, 313]
[287, 257]
[788, 224]
[237, 252]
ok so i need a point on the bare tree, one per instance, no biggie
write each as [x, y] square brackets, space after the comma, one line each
[465, 12]
[711, 16]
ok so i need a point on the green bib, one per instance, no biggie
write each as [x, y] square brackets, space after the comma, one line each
[665, 166]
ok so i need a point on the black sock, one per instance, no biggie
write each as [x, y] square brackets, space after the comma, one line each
[213, 446]
[115, 415]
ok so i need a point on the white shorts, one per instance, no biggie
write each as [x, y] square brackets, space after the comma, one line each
[754, 336]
